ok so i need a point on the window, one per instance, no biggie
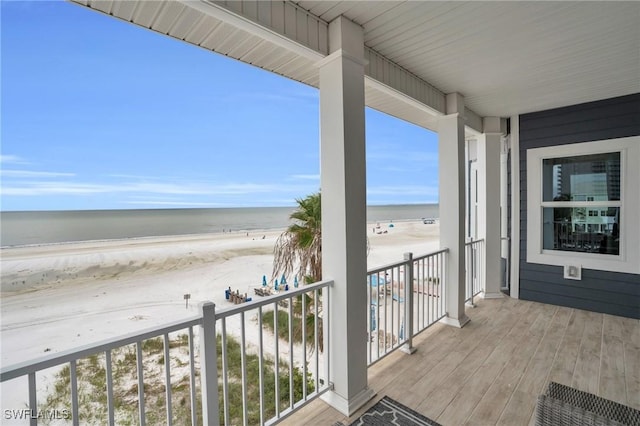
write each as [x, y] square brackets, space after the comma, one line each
[572, 186]
[580, 197]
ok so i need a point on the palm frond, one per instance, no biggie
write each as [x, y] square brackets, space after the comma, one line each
[298, 249]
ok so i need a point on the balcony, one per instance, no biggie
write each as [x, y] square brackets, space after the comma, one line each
[489, 372]
[492, 370]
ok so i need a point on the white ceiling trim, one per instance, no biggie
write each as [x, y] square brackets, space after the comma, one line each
[297, 39]
[247, 24]
[381, 73]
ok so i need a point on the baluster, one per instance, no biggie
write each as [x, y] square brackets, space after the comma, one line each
[277, 358]
[142, 417]
[33, 401]
[192, 379]
[225, 371]
[109, 373]
[167, 379]
[243, 363]
[316, 337]
[261, 364]
[303, 320]
[291, 396]
[73, 373]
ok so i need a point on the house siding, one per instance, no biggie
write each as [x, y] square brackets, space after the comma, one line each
[600, 291]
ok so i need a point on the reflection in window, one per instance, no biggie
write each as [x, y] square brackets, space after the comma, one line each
[581, 203]
[588, 178]
[570, 229]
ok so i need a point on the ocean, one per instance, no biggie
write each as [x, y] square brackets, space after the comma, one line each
[51, 227]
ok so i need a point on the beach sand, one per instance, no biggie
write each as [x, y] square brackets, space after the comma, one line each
[59, 297]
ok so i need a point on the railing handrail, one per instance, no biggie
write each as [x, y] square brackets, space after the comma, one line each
[269, 300]
[424, 256]
[472, 242]
[402, 262]
[48, 361]
[42, 363]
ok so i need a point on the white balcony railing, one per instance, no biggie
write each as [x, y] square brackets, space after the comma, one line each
[299, 370]
[247, 375]
[474, 269]
[292, 376]
[418, 283]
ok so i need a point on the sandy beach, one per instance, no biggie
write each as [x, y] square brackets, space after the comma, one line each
[58, 297]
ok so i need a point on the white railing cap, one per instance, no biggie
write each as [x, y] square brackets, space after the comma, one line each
[42, 363]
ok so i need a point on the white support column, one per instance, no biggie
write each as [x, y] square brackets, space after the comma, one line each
[344, 213]
[452, 206]
[514, 281]
[489, 147]
[504, 207]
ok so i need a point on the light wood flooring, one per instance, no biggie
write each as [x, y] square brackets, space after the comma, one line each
[492, 370]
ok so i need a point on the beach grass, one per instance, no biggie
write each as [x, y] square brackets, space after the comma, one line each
[92, 392]
[283, 323]
[283, 327]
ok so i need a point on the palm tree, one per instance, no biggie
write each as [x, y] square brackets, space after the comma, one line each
[301, 244]
[299, 249]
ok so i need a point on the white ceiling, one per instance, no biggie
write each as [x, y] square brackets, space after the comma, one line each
[505, 58]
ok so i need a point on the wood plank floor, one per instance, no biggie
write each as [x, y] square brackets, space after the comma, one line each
[491, 371]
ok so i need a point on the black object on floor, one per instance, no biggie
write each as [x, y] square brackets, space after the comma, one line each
[390, 412]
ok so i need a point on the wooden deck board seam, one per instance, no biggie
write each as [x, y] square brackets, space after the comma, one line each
[526, 368]
[483, 363]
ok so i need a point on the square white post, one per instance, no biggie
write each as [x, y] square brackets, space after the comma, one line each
[514, 271]
[489, 147]
[209, 365]
[452, 206]
[504, 206]
[344, 213]
[408, 347]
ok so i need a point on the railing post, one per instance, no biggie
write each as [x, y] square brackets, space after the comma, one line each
[471, 252]
[209, 365]
[408, 304]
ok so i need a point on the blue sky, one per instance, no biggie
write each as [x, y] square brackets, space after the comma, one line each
[101, 114]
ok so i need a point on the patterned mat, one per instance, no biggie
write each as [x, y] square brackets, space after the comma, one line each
[390, 412]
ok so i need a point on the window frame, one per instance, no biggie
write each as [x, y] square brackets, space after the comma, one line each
[628, 259]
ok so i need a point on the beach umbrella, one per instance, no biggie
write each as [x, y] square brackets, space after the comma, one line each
[283, 280]
[295, 282]
[264, 280]
[275, 286]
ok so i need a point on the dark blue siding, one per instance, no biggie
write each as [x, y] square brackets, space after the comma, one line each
[609, 292]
